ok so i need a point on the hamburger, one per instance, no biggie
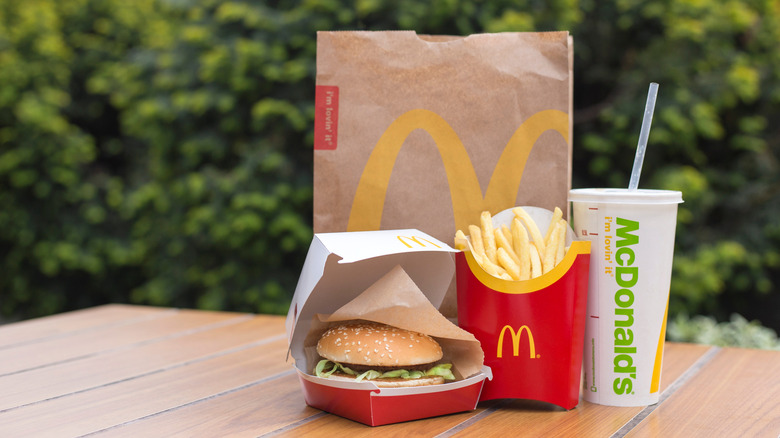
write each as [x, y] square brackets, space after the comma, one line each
[385, 355]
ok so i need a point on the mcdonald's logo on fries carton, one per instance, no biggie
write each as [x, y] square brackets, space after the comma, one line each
[516, 341]
[338, 269]
[531, 331]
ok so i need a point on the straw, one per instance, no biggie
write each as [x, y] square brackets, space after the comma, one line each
[643, 135]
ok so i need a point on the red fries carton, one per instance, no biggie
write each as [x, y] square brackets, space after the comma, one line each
[531, 331]
[395, 277]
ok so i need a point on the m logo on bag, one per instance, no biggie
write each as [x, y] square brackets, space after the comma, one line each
[516, 341]
[465, 190]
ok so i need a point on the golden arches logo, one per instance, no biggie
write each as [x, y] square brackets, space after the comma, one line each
[465, 190]
[516, 341]
[414, 239]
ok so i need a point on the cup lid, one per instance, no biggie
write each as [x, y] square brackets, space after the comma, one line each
[626, 196]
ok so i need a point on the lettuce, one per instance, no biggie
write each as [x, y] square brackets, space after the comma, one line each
[368, 375]
[326, 367]
[443, 369]
[403, 374]
[319, 371]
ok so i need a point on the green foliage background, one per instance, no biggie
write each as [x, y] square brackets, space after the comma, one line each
[159, 151]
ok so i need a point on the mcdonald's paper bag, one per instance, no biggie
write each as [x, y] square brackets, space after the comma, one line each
[426, 132]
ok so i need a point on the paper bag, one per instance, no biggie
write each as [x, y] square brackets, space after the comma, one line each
[426, 132]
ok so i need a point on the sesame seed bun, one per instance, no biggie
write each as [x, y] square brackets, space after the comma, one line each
[377, 345]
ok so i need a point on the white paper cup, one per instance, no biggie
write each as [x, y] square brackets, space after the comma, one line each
[632, 245]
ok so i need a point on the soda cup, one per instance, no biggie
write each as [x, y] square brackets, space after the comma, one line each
[632, 245]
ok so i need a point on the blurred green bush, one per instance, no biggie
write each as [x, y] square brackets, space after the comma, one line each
[153, 152]
[736, 332]
[159, 151]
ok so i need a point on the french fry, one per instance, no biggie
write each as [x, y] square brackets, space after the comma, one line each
[521, 245]
[512, 268]
[476, 240]
[460, 240]
[551, 248]
[533, 230]
[557, 215]
[489, 267]
[517, 252]
[477, 256]
[562, 242]
[488, 236]
[494, 270]
[507, 233]
[503, 242]
[536, 263]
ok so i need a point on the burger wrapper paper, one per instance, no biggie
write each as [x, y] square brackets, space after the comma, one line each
[396, 300]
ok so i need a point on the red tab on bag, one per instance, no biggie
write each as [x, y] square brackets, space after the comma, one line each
[326, 117]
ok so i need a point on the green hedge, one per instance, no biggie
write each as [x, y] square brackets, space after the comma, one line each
[153, 152]
[159, 151]
[736, 332]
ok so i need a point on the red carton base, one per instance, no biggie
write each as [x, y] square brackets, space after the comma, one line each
[376, 407]
[531, 332]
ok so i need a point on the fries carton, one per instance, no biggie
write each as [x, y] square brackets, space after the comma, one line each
[396, 277]
[531, 331]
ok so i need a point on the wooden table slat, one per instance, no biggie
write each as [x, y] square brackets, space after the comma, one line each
[46, 352]
[737, 393]
[66, 323]
[111, 405]
[251, 411]
[124, 364]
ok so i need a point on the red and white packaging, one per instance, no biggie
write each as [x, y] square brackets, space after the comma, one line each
[396, 277]
[531, 331]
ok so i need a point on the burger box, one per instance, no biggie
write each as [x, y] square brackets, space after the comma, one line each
[532, 332]
[397, 277]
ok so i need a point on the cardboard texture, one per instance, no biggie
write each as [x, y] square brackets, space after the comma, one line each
[426, 132]
[396, 277]
[531, 331]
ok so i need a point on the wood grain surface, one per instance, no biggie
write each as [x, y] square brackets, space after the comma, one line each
[737, 393]
[130, 371]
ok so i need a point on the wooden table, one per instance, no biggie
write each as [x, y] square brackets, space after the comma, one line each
[133, 371]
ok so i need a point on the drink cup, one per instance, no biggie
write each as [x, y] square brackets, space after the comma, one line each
[632, 245]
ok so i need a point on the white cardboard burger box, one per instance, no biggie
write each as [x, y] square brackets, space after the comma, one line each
[338, 268]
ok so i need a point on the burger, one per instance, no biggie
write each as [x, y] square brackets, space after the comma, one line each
[388, 356]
